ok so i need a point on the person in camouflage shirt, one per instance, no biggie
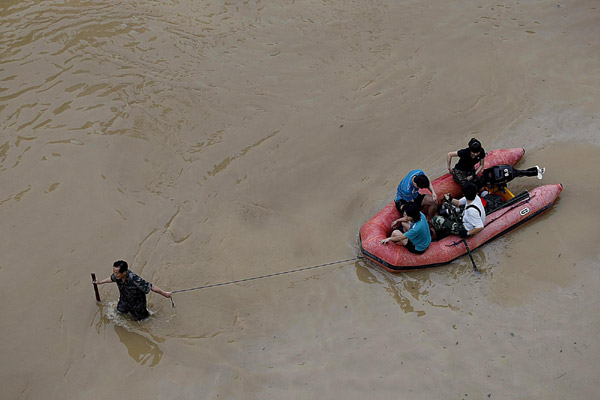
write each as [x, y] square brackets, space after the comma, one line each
[132, 290]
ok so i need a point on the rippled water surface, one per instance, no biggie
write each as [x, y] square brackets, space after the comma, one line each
[206, 142]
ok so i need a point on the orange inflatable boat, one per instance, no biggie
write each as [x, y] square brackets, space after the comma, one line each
[513, 213]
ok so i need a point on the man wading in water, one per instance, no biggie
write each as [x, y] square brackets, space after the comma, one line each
[132, 290]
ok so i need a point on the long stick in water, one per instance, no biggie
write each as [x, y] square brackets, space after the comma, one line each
[464, 240]
[95, 287]
[471, 256]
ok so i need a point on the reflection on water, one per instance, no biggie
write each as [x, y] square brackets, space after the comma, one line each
[409, 287]
[141, 348]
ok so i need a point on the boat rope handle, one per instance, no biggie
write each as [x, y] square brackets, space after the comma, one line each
[513, 207]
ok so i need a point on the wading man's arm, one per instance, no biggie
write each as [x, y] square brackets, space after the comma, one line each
[158, 290]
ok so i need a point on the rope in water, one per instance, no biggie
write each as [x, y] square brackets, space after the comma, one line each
[267, 276]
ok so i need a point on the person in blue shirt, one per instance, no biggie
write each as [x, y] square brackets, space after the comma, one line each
[408, 191]
[414, 233]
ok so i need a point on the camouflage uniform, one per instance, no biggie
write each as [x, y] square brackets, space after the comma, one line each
[461, 177]
[132, 295]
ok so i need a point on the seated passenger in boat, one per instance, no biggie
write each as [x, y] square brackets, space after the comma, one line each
[464, 171]
[408, 191]
[472, 219]
[413, 232]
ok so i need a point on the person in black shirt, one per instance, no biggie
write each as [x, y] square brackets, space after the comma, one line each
[464, 171]
[132, 290]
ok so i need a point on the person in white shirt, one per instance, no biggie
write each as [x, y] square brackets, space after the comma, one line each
[473, 217]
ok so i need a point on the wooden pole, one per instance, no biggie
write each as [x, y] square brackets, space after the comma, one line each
[95, 287]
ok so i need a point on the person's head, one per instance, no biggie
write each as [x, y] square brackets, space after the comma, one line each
[475, 146]
[422, 181]
[470, 190]
[402, 208]
[120, 268]
[413, 211]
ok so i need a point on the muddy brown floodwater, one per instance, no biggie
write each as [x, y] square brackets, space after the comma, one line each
[205, 142]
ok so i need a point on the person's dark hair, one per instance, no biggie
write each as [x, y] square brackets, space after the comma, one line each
[402, 208]
[413, 211]
[122, 265]
[470, 190]
[422, 181]
[474, 145]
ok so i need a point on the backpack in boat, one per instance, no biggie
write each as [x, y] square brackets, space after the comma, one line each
[446, 212]
[446, 224]
[492, 202]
